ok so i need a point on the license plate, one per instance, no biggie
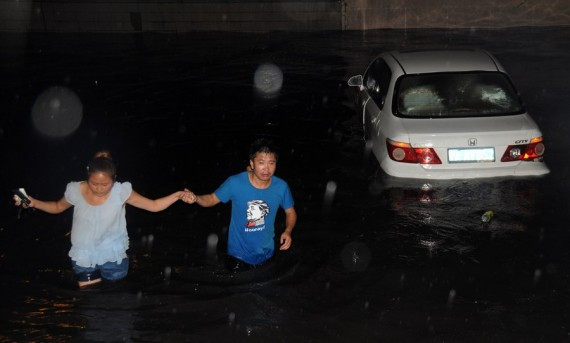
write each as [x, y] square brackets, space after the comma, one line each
[471, 155]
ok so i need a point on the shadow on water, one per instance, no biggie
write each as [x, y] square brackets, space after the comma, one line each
[372, 260]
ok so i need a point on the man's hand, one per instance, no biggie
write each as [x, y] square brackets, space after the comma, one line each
[286, 241]
[188, 197]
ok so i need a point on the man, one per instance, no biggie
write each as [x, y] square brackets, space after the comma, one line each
[256, 195]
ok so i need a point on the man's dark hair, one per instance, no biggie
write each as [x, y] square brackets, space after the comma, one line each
[262, 145]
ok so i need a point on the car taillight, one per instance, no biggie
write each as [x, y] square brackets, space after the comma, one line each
[524, 152]
[403, 152]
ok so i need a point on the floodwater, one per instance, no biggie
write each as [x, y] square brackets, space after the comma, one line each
[372, 259]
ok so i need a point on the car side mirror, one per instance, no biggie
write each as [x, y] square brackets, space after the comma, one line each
[355, 81]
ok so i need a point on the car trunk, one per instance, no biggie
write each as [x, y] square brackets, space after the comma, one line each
[469, 132]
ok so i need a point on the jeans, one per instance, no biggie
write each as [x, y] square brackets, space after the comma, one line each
[111, 271]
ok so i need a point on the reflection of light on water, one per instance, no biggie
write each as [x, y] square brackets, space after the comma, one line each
[430, 244]
[426, 217]
[37, 315]
[425, 198]
[445, 216]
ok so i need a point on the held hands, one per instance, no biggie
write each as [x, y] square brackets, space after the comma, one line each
[187, 196]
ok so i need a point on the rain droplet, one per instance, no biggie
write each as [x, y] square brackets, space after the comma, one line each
[330, 192]
[167, 273]
[57, 112]
[212, 245]
[268, 79]
[212, 240]
[537, 275]
[150, 241]
[367, 149]
[451, 298]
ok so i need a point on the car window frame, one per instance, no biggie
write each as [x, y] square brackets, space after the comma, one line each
[379, 67]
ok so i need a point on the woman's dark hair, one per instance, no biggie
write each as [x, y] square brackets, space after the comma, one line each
[102, 163]
[262, 145]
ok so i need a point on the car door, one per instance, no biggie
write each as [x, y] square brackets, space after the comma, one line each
[376, 81]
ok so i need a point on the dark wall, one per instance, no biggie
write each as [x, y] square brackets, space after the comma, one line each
[270, 15]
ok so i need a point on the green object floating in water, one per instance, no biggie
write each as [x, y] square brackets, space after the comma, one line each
[487, 216]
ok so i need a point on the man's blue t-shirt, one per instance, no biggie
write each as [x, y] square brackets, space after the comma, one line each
[253, 216]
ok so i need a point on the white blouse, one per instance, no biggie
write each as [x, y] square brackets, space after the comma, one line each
[99, 233]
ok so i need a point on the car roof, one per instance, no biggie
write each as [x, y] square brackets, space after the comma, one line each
[437, 61]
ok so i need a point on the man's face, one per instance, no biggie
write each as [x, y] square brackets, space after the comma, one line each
[263, 166]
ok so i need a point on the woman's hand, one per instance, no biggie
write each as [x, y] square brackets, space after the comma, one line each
[18, 202]
[188, 197]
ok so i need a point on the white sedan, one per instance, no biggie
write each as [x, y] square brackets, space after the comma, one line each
[447, 114]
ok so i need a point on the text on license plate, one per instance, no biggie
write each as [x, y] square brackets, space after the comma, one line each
[471, 155]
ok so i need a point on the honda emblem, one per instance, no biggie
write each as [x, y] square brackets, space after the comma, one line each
[472, 141]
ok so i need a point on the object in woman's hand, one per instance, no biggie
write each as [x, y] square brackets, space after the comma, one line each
[21, 196]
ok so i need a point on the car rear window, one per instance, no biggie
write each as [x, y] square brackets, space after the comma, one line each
[456, 95]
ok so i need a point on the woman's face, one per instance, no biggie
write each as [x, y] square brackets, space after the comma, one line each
[100, 183]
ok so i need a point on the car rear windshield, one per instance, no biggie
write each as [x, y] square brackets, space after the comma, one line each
[456, 95]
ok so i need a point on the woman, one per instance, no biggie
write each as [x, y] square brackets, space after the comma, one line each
[99, 238]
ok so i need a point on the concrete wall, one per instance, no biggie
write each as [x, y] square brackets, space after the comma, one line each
[167, 15]
[269, 15]
[402, 14]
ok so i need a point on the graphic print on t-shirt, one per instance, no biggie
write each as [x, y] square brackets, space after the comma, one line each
[257, 210]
